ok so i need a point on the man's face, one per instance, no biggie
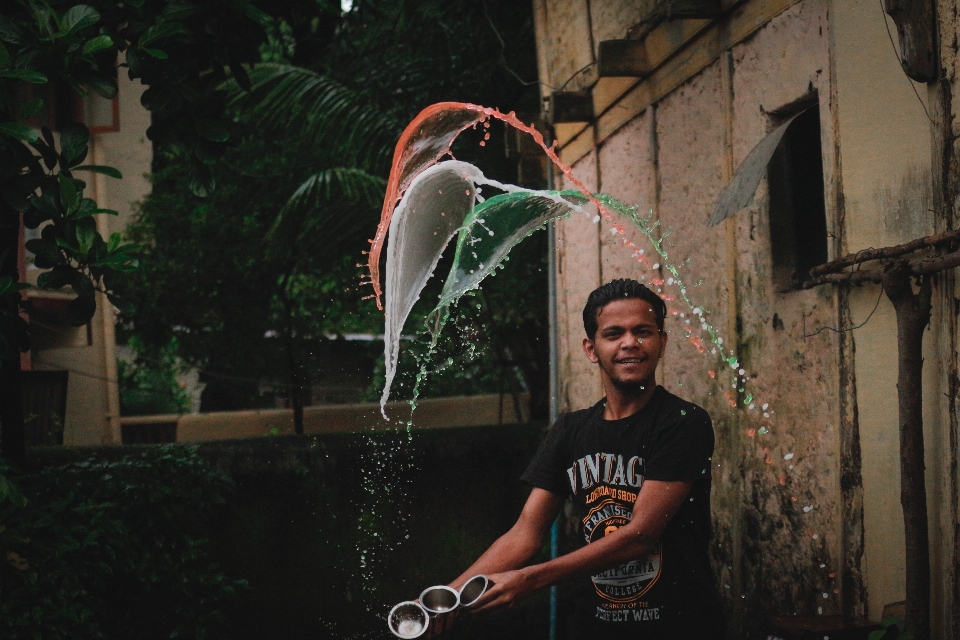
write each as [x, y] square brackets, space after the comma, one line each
[627, 345]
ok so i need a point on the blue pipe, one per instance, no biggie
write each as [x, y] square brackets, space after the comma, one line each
[554, 375]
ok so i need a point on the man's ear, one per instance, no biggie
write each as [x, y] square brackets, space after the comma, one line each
[663, 342]
[588, 348]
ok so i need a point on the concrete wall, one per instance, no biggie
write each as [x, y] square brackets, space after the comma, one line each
[820, 532]
[431, 413]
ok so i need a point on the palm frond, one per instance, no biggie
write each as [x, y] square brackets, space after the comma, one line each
[311, 108]
[338, 203]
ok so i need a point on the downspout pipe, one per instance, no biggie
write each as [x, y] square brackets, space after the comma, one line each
[554, 373]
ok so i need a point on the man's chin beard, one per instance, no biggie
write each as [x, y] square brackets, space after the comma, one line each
[631, 386]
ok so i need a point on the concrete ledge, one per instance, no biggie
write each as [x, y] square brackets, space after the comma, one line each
[431, 413]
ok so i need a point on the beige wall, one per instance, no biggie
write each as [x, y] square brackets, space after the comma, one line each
[885, 142]
[673, 158]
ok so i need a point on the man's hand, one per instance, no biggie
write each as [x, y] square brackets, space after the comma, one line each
[440, 624]
[509, 588]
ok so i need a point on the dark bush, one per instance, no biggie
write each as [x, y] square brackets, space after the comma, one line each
[110, 549]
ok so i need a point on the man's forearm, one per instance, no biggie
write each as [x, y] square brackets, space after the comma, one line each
[613, 550]
[521, 543]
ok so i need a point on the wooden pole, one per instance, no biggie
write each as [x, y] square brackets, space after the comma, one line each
[913, 315]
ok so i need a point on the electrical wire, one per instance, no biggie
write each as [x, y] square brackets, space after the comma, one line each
[897, 54]
[834, 329]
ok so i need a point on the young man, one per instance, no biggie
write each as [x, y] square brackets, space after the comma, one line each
[637, 468]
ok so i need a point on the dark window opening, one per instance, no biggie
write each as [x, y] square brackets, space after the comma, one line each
[798, 217]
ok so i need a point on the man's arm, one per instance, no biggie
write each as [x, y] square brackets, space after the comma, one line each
[656, 504]
[517, 546]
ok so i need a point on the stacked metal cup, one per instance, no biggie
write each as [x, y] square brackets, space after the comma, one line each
[473, 589]
[408, 620]
[411, 619]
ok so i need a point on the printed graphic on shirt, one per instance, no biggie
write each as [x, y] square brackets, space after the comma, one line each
[609, 468]
[611, 482]
[627, 582]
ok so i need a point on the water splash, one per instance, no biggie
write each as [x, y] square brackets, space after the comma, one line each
[440, 202]
[423, 143]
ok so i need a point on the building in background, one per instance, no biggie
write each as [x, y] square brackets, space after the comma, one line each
[88, 354]
[658, 103]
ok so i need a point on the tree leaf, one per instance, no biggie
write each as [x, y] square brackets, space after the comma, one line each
[31, 108]
[81, 310]
[202, 182]
[86, 232]
[261, 17]
[119, 262]
[27, 75]
[159, 31]
[97, 44]
[156, 53]
[98, 168]
[76, 18]
[92, 212]
[240, 75]
[213, 130]
[46, 253]
[155, 98]
[19, 131]
[69, 196]
[60, 276]
[9, 31]
[34, 217]
[73, 141]
[102, 85]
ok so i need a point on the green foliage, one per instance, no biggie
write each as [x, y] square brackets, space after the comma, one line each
[243, 281]
[108, 549]
[270, 258]
[891, 630]
[149, 384]
[182, 51]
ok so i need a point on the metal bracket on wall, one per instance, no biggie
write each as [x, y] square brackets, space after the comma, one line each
[915, 20]
[637, 56]
[623, 58]
[569, 106]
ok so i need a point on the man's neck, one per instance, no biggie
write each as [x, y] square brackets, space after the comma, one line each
[624, 403]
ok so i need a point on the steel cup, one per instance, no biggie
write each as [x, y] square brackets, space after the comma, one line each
[440, 599]
[408, 620]
[473, 589]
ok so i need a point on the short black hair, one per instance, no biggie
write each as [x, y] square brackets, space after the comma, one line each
[617, 290]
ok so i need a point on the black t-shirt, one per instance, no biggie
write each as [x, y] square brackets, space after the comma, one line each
[602, 464]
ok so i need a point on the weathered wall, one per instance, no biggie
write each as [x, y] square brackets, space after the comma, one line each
[885, 143]
[820, 532]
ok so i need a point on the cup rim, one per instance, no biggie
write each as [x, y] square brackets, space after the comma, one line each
[441, 587]
[486, 585]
